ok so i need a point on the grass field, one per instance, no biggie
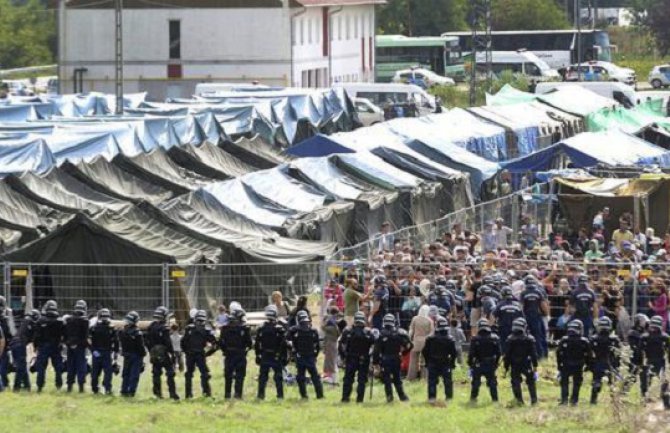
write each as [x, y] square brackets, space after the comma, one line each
[54, 411]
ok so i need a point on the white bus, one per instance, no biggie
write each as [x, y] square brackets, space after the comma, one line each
[556, 47]
[519, 62]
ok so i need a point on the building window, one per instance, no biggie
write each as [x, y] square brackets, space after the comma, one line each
[356, 27]
[339, 28]
[175, 39]
[348, 26]
[302, 32]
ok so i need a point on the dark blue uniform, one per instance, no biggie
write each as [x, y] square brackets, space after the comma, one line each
[483, 359]
[635, 366]
[270, 349]
[390, 346]
[582, 299]
[531, 299]
[442, 301]
[4, 356]
[48, 340]
[17, 346]
[104, 345]
[354, 348]
[440, 354]
[604, 348]
[572, 355]
[655, 347]
[235, 342]
[196, 339]
[76, 339]
[304, 342]
[521, 358]
[132, 348]
[161, 355]
[506, 312]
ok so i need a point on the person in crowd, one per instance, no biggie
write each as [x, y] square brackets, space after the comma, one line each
[535, 308]
[175, 338]
[355, 350]
[280, 304]
[235, 341]
[132, 345]
[505, 313]
[19, 349]
[622, 234]
[301, 305]
[385, 239]
[334, 294]
[161, 353]
[440, 354]
[659, 304]
[104, 351]
[271, 353]
[222, 316]
[655, 350]
[488, 237]
[198, 343]
[331, 334]
[640, 322]
[583, 302]
[304, 342]
[391, 345]
[520, 355]
[420, 328]
[353, 297]
[572, 355]
[7, 326]
[502, 234]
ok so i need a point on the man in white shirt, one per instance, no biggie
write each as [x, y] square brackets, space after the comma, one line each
[502, 234]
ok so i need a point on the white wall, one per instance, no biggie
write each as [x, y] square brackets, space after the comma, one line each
[345, 46]
[217, 44]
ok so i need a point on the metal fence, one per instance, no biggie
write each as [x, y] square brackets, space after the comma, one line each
[125, 287]
[534, 202]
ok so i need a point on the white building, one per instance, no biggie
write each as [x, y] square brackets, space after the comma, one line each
[171, 45]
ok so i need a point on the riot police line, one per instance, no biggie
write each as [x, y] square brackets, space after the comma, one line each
[275, 345]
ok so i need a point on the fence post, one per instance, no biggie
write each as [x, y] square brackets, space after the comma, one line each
[323, 281]
[7, 283]
[635, 284]
[166, 286]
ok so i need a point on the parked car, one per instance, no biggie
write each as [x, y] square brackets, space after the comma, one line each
[382, 94]
[423, 78]
[660, 76]
[368, 113]
[600, 71]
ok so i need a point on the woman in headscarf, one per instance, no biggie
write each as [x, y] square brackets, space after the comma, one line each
[420, 328]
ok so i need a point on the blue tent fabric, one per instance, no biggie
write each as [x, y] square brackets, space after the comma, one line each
[25, 155]
[318, 145]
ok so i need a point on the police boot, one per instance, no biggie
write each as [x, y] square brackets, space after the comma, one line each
[518, 396]
[494, 393]
[302, 388]
[157, 387]
[188, 386]
[280, 391]
[81, 388]
[69, 387]
[665, 395]
[206, 390]
[474, 393]
[239, 385]
[318, 388]
[228, 389]
[360, 397]
[594, 395]
[347, 388]
[532, 390]
[172, 388]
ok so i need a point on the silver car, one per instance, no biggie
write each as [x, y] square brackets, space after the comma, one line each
[660, 76]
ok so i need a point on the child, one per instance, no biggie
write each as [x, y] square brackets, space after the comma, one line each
[175, 337]
[331, 333]
[459, 336]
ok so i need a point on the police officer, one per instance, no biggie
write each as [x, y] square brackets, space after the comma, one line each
[198, 343]
[132, 348]
[483, 360]
[440, 354]
[304, 342]
[487, 298]
[506, 312]
[583, 301]
[270, 349]
[18, 347]
[7, 326]
[605, 349]
[354, 348]
[235, 342]
[380, 300]
[521, 357]
[104, 347]
[441, 299]
[655, 347]
[48, 340]
[390, 346]
[535, 307]
[572, 356]
[161, 353]
[640, 322]
[76, 339]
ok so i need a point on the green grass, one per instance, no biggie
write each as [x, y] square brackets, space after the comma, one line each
[54, 411]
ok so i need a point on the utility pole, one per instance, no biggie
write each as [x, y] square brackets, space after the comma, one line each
[118, 55]
[61, 46]
[578, 19]
[480, 24]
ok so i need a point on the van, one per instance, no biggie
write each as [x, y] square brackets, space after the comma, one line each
[519, 62]
[620, 92]
[382, 93]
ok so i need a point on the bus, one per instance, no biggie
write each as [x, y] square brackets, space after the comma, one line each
[440, 54]
[558, 48]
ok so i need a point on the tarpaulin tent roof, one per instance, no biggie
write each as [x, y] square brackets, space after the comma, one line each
[17, 156]
[628, 120]
[611, 148]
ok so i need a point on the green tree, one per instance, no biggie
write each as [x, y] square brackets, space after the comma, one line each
[528, 15]
[27, 34]
[422, 17]
[654, 15]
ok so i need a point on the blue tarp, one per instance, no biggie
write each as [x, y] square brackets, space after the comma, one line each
[25, 155]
